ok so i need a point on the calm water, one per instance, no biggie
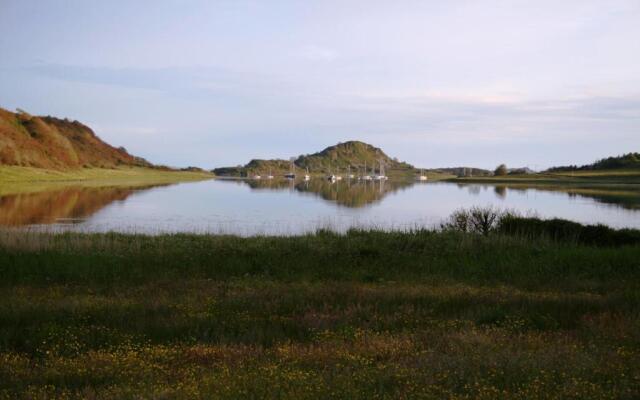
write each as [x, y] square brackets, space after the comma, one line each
[283, 207]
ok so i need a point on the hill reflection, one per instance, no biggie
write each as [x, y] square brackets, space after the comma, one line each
[627, 198]
[66, 205]
[354, 193]
[347, 193]
[76, 204]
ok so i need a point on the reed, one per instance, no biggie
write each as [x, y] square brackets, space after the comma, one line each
[364, 314]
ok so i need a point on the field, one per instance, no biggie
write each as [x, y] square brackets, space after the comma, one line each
[15, 179]
[363, 315]
[597, 177]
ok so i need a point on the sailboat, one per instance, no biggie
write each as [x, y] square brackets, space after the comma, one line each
[331, 177]
[269, 176]
[381, 176]
[306, 175]
[292, 171]
[422, 176]
[338, 176]
[365, 176]
[349, 174]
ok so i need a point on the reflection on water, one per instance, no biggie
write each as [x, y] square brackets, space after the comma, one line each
[627, 197]
[67, 205]
[249, 207]
[347, 192]
[501, 191]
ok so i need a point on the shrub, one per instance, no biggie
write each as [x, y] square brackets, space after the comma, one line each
[489, 220]
[480, 220]
[501, 170]
[567, 231]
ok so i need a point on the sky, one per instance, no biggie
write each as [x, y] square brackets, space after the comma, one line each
[434, 83]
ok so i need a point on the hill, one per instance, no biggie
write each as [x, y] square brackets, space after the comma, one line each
[53, 143]
[625, 161]
[465, 171]
[353, 153]
[336, 158]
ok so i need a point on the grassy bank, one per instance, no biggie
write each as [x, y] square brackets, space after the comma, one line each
[599, 177]
[362, 315]
[26, 179]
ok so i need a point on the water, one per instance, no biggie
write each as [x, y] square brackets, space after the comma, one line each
[287, 207]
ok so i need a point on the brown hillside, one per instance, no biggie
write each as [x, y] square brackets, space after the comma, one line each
[48, 142]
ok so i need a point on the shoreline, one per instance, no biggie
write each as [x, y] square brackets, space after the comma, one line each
[15, 180]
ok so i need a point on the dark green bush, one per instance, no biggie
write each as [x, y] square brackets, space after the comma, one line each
[567, 231]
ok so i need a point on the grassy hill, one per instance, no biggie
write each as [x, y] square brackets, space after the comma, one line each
[333, 159]
[53, 143]
[611, 171]
[465, 171]
[353, 153]
[623, 162]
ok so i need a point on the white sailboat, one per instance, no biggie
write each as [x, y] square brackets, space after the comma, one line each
[269, 176]
[381, 176]
[366, 177]
[331, 177]
[422, 176]
[306, 175]
[349, 174]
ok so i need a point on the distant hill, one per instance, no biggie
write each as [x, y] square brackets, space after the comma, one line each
[338, 158]
[626, 161]
[465, 171]
[520, 171]
[48, 142]
[355, 154]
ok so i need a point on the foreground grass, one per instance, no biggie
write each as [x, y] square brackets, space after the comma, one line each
[361, 315]
[26, 179]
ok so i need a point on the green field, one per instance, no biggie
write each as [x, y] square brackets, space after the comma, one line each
[598, 177]
[26, 179]
[362, 315]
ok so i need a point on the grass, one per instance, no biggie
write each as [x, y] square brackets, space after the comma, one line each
[598, 177]
[365, 315]
[15, 179]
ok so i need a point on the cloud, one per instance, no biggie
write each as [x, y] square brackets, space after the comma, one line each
[281, 114]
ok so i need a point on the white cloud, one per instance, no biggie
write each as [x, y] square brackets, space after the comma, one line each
[251, 78]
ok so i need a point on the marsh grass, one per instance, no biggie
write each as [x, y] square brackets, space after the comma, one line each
[363, 314]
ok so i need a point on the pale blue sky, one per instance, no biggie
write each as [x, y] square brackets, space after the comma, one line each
[446, 83]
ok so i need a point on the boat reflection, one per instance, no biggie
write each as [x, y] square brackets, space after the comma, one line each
[346, 192]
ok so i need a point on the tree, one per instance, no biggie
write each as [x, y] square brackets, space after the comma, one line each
[501, 170]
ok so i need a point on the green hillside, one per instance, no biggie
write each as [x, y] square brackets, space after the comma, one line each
[352, 154]
[625, 161]
[333, 159]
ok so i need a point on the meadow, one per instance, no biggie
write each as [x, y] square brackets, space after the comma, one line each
[605, 178]
[16, 179]
[366, 314]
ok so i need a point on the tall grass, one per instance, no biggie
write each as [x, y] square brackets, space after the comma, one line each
[364, 314]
